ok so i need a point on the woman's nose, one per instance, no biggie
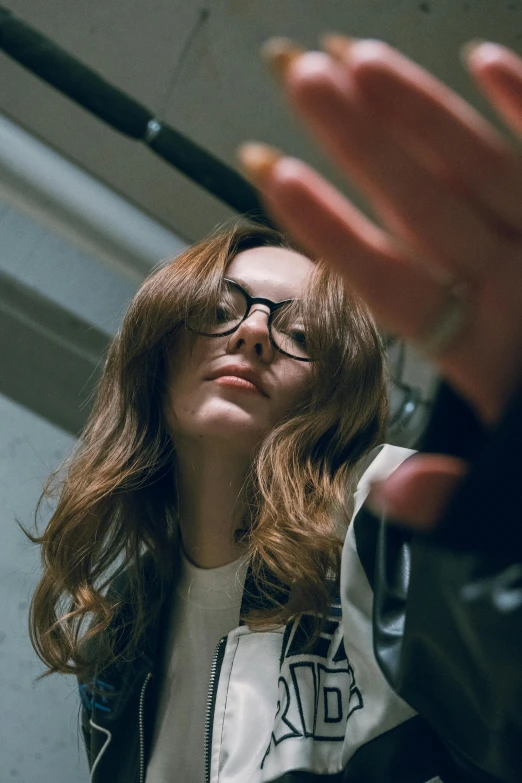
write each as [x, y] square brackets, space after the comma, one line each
[253, 333]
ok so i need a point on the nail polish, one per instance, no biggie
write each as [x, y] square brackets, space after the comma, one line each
[337, 46]
[280, 53]
[257, 160]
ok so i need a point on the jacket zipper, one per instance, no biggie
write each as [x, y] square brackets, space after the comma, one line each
[142, 728]
[217, 660]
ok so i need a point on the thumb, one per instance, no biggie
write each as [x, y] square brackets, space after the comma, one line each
[417, 492]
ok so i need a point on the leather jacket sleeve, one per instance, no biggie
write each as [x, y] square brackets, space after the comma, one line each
[448, 607]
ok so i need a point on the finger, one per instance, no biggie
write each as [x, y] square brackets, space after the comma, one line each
[404, 297]
[498, 73]
[441, 129]
[418, 492]
[420, 209]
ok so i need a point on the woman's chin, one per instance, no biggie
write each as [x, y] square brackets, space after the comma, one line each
[228, 423]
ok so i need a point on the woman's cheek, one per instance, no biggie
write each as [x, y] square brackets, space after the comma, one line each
[297, 388]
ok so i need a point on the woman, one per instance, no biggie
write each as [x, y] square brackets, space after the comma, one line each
[207, 494]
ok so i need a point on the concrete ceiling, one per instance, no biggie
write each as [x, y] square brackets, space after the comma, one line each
[196, 64]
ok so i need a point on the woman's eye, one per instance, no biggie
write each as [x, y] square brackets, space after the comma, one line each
[298, 336]
[221, 314]
[225, 312]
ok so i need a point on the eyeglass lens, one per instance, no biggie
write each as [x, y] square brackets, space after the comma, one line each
[286, 326]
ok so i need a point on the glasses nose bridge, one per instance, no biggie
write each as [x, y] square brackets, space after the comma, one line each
[259, 307]
[254, 302]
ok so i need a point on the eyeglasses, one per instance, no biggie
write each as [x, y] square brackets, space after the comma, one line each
[285, 327]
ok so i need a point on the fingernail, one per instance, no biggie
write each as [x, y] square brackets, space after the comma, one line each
[469, 47]
[257, 160]
[280, 53]
[337, 46]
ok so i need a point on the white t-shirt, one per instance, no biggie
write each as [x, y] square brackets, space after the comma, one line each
[205, 607]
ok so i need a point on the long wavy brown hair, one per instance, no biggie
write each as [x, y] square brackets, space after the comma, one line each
[116, 495]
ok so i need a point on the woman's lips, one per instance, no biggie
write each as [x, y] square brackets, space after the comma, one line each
[240, 383]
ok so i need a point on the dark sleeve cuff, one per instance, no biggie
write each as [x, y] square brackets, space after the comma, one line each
[484, 514]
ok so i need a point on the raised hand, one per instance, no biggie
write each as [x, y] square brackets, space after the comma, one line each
[444, 268]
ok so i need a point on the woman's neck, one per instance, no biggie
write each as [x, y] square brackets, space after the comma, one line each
[211, 502]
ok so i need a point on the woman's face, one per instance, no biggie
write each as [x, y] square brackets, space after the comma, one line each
[207, 400]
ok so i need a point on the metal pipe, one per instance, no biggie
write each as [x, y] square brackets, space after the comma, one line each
[81, 84]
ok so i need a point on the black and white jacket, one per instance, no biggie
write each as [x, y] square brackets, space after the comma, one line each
[277, 713]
